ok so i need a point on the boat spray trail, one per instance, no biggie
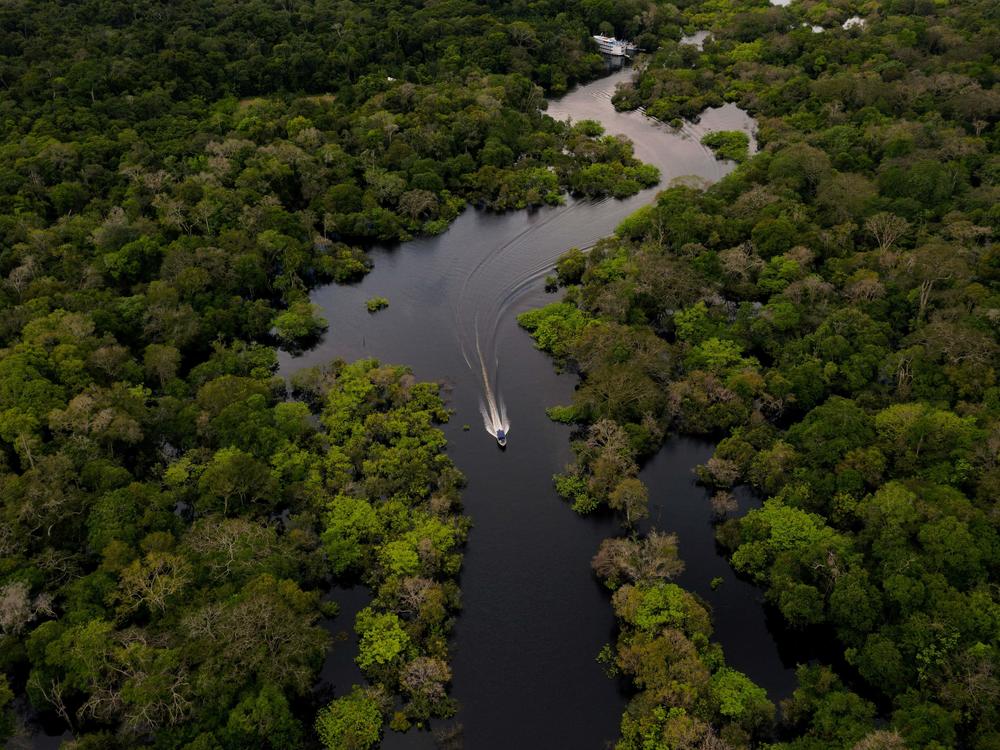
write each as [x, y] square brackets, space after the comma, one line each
[491, 405]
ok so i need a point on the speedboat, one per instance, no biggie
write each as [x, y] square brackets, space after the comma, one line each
[502, 438]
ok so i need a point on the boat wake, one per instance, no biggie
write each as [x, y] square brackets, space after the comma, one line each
[491, 405]
[494, 416]
[482, 303]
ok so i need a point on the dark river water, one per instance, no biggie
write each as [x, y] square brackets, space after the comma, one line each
[534, 617]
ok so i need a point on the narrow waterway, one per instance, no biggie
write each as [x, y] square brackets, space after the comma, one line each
[534, 618]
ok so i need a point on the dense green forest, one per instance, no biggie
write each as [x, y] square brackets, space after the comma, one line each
[831, 312]
[175, 177]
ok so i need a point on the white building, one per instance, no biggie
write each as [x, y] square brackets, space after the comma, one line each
[608, 45]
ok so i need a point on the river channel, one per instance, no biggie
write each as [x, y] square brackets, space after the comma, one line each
[534, 618]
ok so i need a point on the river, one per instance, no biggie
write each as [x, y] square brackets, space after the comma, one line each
[534, 618]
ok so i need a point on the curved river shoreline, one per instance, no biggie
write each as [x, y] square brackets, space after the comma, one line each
[534, 618]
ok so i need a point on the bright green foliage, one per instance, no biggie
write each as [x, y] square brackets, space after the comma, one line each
[376, 303]
[781, 543]
[740, 700]
[728, 144]
[400, 558]
[395, 523]
[717, 356]
[682, 687]
[351, 525]
[664, 605]
[299, 323]
[553, 326]
[574, 487]
[383, 640]
[352, 722]
[563, 414]
[166, 622]
[776, 530]
[695, 325]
